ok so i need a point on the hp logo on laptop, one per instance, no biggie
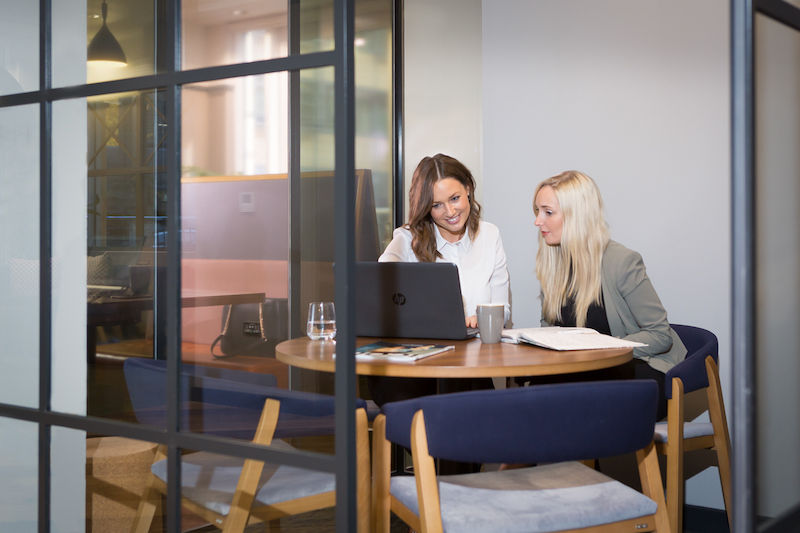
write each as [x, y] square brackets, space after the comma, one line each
[398, 298]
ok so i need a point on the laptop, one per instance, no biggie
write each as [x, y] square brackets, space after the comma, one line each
[409, 300]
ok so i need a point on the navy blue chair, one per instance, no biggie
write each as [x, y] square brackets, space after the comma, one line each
[675, 437]
[229, 491]
[552, 426]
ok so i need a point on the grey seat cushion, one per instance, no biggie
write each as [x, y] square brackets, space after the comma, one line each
[544, 498]
[210, 480]
[690, 430]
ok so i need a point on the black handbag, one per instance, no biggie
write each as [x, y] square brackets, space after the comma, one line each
[252, 329]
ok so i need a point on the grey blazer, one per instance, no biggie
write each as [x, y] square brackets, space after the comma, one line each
[634, 310]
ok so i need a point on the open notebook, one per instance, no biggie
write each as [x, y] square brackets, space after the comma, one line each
[563, 338]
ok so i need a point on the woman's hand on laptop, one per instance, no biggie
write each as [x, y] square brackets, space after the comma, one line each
[472, 321]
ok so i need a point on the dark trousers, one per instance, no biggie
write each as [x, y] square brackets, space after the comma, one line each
[391, 389]
[633, 369]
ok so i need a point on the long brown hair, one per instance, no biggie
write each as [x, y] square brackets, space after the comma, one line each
[428, 172]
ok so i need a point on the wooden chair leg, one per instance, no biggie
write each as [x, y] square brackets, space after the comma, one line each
[722, 443]
[430, 515]
[151, 498]
[675, 481]
[246, 488]
[381, 476]
[364, 509]
[650, 476]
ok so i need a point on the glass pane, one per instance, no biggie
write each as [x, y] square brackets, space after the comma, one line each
[69, 29]
[19, 481]
[373, 151]
[777, 266]
[235, 232]
[98, 482]
[120, 40]
[69, 276]
[126, 241]
[238, 31]
[316, 25]
[69, 508]
[316, 211]
[19, 255]
[374, 125]
[19, 41]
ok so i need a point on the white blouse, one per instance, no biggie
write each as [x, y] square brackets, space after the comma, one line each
[481, 264]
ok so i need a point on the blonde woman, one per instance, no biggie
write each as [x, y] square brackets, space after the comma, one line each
[591, 281]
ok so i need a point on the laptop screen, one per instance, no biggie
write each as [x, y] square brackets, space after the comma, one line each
[409, 300]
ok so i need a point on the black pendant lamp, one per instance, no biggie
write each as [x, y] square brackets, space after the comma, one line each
[104, 46]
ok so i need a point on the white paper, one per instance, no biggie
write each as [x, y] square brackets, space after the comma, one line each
[563, 338]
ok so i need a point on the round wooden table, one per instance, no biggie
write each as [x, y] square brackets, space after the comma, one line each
[470, 358]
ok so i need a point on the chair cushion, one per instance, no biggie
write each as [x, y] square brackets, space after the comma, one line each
[690, 430]
[209, 480]
[551, 497]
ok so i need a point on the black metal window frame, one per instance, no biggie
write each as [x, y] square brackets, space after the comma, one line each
[170, 82]
[743, 264]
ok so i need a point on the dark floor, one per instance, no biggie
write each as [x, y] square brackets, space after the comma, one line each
[704, 520]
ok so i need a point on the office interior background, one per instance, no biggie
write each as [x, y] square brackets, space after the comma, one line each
[635, 94]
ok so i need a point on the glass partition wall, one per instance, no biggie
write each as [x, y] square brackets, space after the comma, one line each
[179, 166]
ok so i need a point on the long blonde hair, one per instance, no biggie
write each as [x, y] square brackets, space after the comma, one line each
[573, 268]
[420, 223]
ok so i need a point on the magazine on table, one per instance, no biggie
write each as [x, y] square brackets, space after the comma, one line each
[391, 351]
[566, 338]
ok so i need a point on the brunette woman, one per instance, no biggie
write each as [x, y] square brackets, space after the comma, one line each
[444, 225]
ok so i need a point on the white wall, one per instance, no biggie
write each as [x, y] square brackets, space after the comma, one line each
[778, 265]
[612, 89]
[442, 89]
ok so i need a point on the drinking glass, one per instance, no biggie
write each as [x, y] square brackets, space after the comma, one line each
[321, 323]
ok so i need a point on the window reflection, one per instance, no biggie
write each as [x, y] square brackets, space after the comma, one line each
[222, 33]
[131, 28]
[126, 241]
[235, 220]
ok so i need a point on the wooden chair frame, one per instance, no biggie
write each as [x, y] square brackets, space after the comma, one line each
[429, 519]
[677, 445]
[242, 510]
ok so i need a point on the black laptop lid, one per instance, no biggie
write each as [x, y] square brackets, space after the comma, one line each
[409, 300]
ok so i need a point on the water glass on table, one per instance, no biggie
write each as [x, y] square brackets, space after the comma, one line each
[321, 323]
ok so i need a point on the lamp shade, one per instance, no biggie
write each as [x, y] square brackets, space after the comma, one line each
[104, 46]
